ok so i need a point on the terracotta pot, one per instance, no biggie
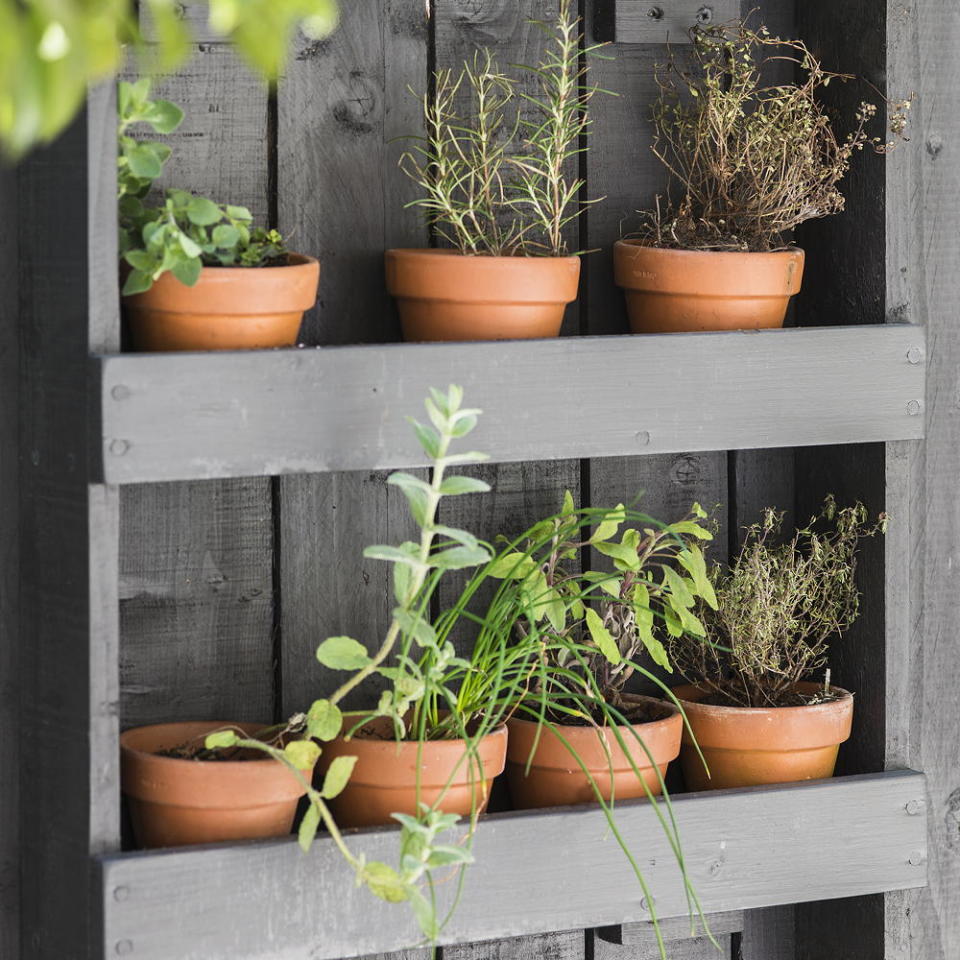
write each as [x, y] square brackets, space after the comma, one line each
[675, 291]
[384, 780]
[748, 746]
[443, 295]
[229, 308]
[556, 778]
[176, 802]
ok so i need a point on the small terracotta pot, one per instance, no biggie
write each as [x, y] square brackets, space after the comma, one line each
[229, 308]
[384, 780]
[748, 746]
[557, 779]
[444, 295]
[676, 291]
[176, 802]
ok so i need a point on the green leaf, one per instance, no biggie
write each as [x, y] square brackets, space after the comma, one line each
[643, 616]
[221, 739]
[690, 528]
[416, 491]
[568, 507]
[556, 611]
[140, 260]
[511, 566]
[342, 653]
[601, 637]
[225, 235]
[137, 282]
[693, 561]
[610, 524]
[163, 116]
[402, 579]
[303, 754]
[384, 882]
[238, 213]
[459, 558]
[426, 915]
[458, 485]
[447, 856]
[337, 776]
[608, 582]
[416, 627]
[308, 828]
[188, 246]
[624, 557]
[401, 554]
[460, 536]
[324, 720]
[429, 439]
[187, 271]
[678, 588]
[144, 162]
[203, 212]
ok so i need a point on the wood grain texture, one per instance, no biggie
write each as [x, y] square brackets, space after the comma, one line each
[521, 493]
[215, 415]
[769, 843]
[68, 631]
[676, 928]
[632, 21]
[696, 948]
[196, 559]
[9, 570]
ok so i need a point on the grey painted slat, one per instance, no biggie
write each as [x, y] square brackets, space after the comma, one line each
[9, 572]
[698, 948]
[196, 568]
[774, 845]
[633, 21]
[676, 928]
[217, 415]
[68, 631]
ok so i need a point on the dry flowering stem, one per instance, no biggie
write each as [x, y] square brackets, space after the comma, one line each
[749, 162]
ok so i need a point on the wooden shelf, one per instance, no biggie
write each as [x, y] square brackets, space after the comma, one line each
[535, 871]
[198, 416]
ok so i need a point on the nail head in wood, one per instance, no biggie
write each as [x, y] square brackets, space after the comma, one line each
[916, 807]
[914, 407]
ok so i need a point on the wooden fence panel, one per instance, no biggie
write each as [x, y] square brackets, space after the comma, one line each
[196, 559]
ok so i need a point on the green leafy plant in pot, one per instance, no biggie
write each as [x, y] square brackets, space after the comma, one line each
[748, 162]
[499, 185]
[760, 703]
[577, 735]
[198, 274]
[426, 753]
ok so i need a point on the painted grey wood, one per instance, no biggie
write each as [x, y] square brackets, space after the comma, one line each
[68, 630]
[652, 22]
[565, 945]
[675, 928]
[196, 568]
[219, 415]
[9, 570]
[923, 205]
[779, 844]
[697, 948]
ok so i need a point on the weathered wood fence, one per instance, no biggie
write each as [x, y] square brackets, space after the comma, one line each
[124, 600]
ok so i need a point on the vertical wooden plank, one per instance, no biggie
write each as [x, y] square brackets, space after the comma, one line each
[341, 198]
[9, 572]
[522, 493]
[68, 536]
[197, 559]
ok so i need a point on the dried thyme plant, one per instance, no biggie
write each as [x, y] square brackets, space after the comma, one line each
[749, 162]
[778, 607]
[497, 166]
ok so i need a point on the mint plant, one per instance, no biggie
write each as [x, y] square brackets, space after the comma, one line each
[181, 233]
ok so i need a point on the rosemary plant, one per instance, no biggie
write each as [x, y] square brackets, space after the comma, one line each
[778, 607]
[497, 165]
[748, 162]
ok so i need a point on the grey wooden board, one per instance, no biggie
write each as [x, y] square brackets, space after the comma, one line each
[654, 22]
[923, 209]
[698, 948]
[565, 945]
[676, 928]
[773, 845]
[196, 569]
[9, 572]
[218, 415]
[68, 632]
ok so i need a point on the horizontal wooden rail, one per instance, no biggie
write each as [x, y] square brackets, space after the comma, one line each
[535, 872]
[651, 21]
[196, 416]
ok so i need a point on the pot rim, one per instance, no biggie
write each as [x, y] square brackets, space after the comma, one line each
[213, 726]
[399, 745]
[636, 697]
[788, 251]
[718, 710]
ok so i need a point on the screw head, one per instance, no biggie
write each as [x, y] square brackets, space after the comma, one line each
[705, 15]
[646, 904]
[916, 807]
[655, 13]
[123, 948]
[916, 858]
[914, 407]
[120, 392]
[119, 447]
[914, 355]
[643, 438]
[121, 893]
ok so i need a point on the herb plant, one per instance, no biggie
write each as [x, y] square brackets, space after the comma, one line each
[432, 693]
[747, 161]
[778, 607]
[51, 52]
[497, 164]
[180, 233]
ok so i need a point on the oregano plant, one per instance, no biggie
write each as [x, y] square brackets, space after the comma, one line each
[177, 232]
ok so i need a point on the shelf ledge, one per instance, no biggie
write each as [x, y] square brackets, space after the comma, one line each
[535, 872]
[200, 416]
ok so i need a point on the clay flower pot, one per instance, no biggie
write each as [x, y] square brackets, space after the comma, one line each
[676, 291]
[748, 746]
[229, 308]
[384, 780]
[443, 295]
[557, 779]
[175, 802]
